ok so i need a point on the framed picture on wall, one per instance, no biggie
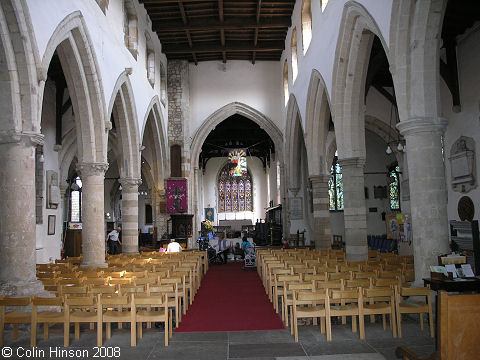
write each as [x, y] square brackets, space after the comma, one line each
[51, 225]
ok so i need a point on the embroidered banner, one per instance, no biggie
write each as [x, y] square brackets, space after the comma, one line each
[177, 196]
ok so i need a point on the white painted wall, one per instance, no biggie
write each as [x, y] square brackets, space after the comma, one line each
[466, 122]
[208, 191]
[214, 85]
[377, 161]
[49, 246]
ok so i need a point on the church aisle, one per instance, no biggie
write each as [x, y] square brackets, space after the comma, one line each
[230, 299]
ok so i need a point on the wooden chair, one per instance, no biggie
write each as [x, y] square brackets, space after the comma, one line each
[373, 307]
[288, 297]
[13, 316]
[347, 303]
[179, 283]
[173, 299]
[81, 309]
[46, 316]
[111, 308]
[102, 289]
[311, 305]
[339, 276]
[280, 281]
[150, 308]
[413, 307]
[73, 291]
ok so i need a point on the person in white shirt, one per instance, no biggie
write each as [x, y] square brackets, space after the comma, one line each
[173, 246]
[113, 240]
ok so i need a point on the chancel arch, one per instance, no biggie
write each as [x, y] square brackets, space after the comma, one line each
[262, 164]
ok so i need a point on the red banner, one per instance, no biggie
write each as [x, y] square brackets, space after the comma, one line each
[177, 196]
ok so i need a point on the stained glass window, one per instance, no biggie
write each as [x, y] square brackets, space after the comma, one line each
[335, 186]
[221, 196]
[394, 188]
[234, 192]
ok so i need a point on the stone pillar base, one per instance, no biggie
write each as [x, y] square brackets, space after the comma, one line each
[23, 289]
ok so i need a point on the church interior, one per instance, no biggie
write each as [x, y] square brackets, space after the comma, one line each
[338, 133]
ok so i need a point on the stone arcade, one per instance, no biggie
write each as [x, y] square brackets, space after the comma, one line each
[96, 91]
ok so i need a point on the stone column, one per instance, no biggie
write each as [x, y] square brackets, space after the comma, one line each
[354, 210]
[428, 194]
[17, 214]
[321, 213]
[130, 215]
[93, 217]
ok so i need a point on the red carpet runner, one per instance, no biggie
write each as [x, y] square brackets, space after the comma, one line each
[230, 299]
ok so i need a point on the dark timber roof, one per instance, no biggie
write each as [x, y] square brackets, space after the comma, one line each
[200, 30]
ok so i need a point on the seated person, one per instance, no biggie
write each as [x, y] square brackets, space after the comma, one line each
[173, 246]
[223, 249]
[245, 243]
[237, 250]
[286, 245]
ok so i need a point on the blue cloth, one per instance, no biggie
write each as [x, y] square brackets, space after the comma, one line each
[246, 244]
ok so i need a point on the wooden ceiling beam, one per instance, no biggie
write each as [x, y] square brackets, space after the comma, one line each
[185, 21]
[222, 31]
[284, 22]
[237, 47]
[255, 37]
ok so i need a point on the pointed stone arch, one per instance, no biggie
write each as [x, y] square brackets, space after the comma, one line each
[317, 117]
[122, 104]
[226, 111]
[293, 143]
[77, 56]
[154, 119]
[216, 118]
[355, 39]
[18, 76]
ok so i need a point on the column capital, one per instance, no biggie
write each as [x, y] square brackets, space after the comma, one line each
[319, 179]
[89, 169]
[27, 137]
[422, 124]
[352, 162]
[129, 182]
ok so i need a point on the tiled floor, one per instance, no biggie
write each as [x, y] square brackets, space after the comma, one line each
[265, 345]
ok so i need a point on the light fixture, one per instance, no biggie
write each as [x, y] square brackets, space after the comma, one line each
[389, 150]
[42, 158]
[120, 187]
[400, 146]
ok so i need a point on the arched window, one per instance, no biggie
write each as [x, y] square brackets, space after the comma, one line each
[151, 66]
[163, 85]
[324, 4]
[294, 55]
[306, 25]
[234, 192]
[285, 82]
[394, 188]
[335, 186]
[130, 29]
[76, 200]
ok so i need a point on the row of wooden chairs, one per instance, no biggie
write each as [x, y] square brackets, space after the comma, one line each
[282, 271]
[134, 309]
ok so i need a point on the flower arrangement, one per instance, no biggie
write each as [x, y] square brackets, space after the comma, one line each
[208, 225]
